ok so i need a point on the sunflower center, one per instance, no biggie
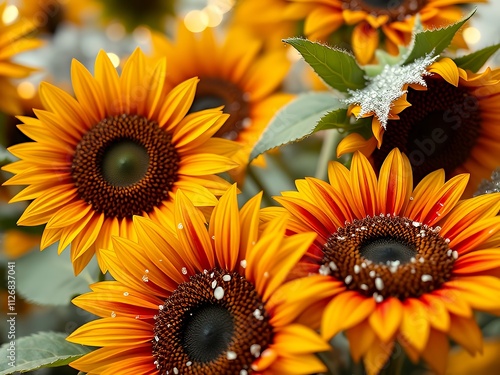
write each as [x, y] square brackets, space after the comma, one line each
[215, 323]
[439, 130]
[208, 333]
[397, 10]
[214, 92]
[125, 163]
[124, 166]
[384, 250]
[389, 256]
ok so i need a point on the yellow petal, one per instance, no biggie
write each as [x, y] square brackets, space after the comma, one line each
[356, 142]
[124, 332]
[415, 326]
[395, 183]
[365, 40]
[386, 318]
[447, 69]
[345, 311]
[363, 183]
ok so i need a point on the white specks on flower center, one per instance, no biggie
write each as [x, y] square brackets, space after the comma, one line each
[425, 278]
[219, 293]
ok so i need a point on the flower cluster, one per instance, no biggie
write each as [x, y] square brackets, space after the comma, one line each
[221, 217]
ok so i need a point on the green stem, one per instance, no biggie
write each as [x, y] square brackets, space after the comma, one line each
[395, 364]
[330, 362]
[327, 153]
[102, 276]
[266, 199]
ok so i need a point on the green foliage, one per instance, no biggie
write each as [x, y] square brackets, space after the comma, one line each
[43, 349]
[337, 119]
[433, 42]
[336, 67]
[474, 61]
[46, 278]
[296, 120]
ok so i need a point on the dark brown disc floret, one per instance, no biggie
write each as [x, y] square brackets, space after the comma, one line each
[125, 165]
[215, 323]
[396, 10]
[214, 92]
[439, 130]
[389, 256]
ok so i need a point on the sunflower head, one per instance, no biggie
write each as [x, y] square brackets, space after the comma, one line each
[365, 25]
[448, 121]
[235, 73]
[201, 299]
[395, 255]
[121, 148]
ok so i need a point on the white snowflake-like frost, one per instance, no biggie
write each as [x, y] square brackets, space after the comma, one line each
[382, 90]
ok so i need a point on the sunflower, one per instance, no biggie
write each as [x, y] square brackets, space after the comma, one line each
[409, 266]
[374, 21]
[121, 148]
[13, 40]
[234, 73]
[453, 123]
[200, 300]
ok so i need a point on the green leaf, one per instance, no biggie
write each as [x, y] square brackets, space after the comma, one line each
[46, 278]
[43, 349]
[384, 58]
[296, 120]
[474, 61]
[336, 67]
[433, 42]
[337, 119]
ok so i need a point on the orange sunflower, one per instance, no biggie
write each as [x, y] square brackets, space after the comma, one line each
[13, 41]
[234, 73]
[408, 266]
[376, 21]
[200, 300]
[121, 148]
[453, 123]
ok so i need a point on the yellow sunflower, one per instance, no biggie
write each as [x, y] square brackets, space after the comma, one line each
[234, 73]
[407, 265]
[121, 148]
[375, 21]
[200, 300]
[13, 40]
[453, 123]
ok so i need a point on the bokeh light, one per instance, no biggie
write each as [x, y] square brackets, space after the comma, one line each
[214, 15]
[10, 14]
[196, 21]
[26, 90]
[472, 35]
[115, 59]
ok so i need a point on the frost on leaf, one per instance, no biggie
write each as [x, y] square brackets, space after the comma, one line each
[382, 90]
